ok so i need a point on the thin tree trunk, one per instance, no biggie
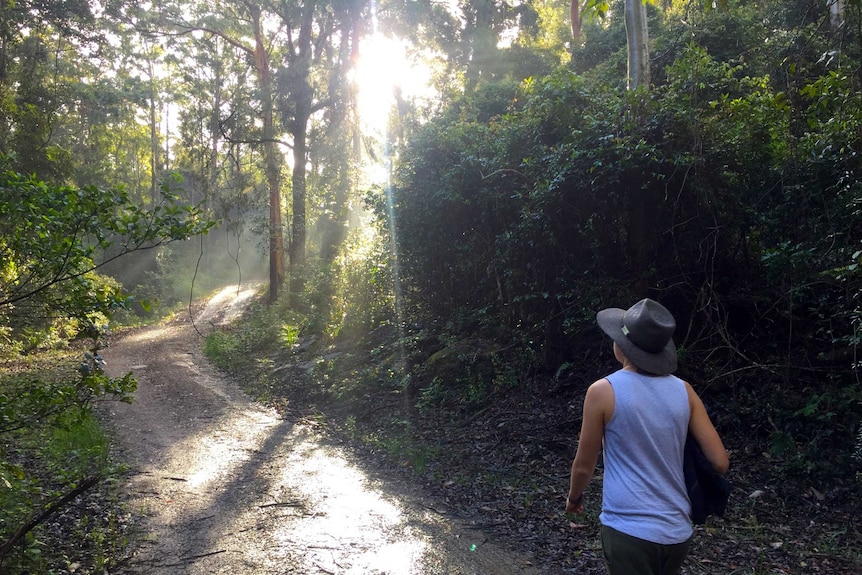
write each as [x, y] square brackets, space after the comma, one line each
[155, 148]
[297, 241]
[212, 171]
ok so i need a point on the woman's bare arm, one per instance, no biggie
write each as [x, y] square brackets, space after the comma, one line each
[701, 427]
[598, 405]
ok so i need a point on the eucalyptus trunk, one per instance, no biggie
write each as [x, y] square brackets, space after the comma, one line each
[483, 40]
[303, 100]
[575, 19]
[272, 164]
[214, 131]
[637, 36]
[836, 13]
[155, 146]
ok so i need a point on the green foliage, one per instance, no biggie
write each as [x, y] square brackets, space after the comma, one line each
[363, 297]
[463, 376]
[220, 347]
[533, 191]
[729, 190]
[29, 402]
[51, 236]
[52, 442]
[825, 423]
[76, 447]
[264, 329]
[39, 467]
[595, 9]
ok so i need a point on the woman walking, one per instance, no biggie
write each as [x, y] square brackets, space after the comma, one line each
[641, 415]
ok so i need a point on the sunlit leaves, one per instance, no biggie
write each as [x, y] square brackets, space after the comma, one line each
[51, 235]
[595, 9]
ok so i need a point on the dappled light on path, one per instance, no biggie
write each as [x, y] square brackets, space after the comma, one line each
[148, 335]
[217, 453]
[229, 486]
[227, 305]
[357, 525]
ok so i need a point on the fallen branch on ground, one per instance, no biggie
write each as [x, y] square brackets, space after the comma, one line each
[281, 504]
[47, 512]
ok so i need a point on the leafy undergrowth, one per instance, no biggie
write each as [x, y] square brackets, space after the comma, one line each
[56, 474]
[498, 455]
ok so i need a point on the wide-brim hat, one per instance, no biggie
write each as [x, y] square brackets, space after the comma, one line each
[644, 333]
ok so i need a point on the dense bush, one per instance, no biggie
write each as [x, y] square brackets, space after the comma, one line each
[728, 194]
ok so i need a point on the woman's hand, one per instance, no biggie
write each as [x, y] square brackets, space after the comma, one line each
[575, 506]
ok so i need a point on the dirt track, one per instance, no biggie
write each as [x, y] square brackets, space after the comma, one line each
[229, 486]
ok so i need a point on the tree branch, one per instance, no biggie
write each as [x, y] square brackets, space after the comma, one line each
[47, 512]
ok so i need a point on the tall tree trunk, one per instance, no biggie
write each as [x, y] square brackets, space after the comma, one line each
[836, 13]
[273, 166]
[155, 147]
[297, 240]
[347, 139]
[575, 19]
[483, 41]
[303, 95]
[637, 36]
[214, 129]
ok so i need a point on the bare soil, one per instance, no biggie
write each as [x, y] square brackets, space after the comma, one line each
[226, 485]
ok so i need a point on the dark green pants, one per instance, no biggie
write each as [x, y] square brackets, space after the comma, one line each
[627, 555]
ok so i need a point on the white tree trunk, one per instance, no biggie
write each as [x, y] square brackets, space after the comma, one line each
[836, 13]
[637, 35]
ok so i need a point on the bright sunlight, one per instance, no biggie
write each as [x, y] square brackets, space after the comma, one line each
[384, 69]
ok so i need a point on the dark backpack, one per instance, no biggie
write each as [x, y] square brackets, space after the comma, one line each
[707, 490]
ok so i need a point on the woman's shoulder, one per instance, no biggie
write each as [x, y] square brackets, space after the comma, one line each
[600, 398]
[600, 387]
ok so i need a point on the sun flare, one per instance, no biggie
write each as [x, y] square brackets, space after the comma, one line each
[384, 73]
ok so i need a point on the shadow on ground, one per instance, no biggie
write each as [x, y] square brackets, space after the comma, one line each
[227, 486]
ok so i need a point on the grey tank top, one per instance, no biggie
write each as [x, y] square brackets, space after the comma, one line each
[643, 493]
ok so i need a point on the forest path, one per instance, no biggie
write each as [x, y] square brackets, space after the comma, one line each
[229, 486]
